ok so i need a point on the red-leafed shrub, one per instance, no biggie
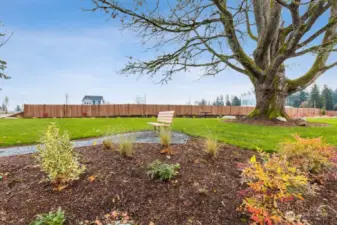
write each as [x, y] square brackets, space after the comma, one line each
[270, 184]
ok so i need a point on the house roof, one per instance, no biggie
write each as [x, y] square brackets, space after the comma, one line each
[93, 98]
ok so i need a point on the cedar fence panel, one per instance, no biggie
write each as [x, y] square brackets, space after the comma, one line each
[60, 111]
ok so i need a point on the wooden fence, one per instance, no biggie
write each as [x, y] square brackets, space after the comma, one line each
[60, 111]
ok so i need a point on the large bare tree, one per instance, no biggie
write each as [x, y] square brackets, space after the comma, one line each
[219, 34]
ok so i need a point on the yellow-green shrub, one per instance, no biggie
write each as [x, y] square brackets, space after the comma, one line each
[107, 143]
[270, 184]
[165, 136]
[126, 145]
[310, 155]
[211, 146]
[57, 158]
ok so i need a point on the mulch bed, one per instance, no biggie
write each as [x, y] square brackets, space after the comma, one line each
[205, 191]
[274, 122]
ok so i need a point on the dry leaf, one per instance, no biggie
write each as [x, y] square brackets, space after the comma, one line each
[114, 214]
[168, 151]
[97, 222]
[91, 178]
[59, 187]
[151, 223]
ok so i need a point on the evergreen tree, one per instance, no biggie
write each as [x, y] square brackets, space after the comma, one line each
[315, 98]
[219, 101]
[18, 108]
[298, 98]
[293, 100]
[202, 102]
[3, 107]
[335, 96]
[236, 101]
[303, 96]
[327, 98]
[228, 103]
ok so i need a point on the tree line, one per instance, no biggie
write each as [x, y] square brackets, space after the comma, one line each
[315, 98]
[4, 106]
[219, 101]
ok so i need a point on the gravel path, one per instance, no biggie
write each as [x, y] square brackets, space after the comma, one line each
[139, 137]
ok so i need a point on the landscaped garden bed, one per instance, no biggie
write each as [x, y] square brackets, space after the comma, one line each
[205, 191]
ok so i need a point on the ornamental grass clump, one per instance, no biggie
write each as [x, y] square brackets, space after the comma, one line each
[107, 143]
[165, 135]
[126, 145]
[211, 146]
[57, 158]
[310, 155]
[270, 184]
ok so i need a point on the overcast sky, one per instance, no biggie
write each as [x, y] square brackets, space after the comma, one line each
[56, 48]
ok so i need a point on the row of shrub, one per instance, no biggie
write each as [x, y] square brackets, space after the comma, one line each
[291, 174]
[58, 160]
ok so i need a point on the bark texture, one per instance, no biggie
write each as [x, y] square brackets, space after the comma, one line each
[270, 98]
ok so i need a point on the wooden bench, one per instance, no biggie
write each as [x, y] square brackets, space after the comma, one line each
[164, 119]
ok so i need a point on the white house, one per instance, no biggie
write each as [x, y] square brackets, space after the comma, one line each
[92, 100]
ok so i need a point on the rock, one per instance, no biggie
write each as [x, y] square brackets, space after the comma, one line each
[229, 117]
[281, 119]
[302, 123]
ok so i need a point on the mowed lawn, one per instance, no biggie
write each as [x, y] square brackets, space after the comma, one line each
[28, 131]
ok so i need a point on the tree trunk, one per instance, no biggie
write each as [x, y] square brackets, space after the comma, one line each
[270, 98]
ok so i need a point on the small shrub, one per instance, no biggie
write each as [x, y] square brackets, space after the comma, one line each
[107, 143]
[269, 185]
[57, 158]
[165, 136]
[211, 146]
[323, 111]
[310, 155]
[51, 218]
[163, 171]
[126, 145]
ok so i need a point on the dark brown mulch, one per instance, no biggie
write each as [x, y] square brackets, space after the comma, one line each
[274, 122]
[205, 192]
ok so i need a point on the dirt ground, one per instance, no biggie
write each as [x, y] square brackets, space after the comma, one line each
[204, 192]
[274, 122]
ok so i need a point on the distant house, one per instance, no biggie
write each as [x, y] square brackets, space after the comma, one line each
[92, 100]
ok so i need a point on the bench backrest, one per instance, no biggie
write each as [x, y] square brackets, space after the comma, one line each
[165, 117]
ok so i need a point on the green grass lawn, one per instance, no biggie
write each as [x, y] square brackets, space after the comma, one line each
[28, 131]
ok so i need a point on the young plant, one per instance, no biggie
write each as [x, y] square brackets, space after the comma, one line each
[51, 218]
[211, 146]
[165, 136]
[310, 155]
[269, 185]
[107, 143]
[163, 171]
[57, 158]
[126, 145]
